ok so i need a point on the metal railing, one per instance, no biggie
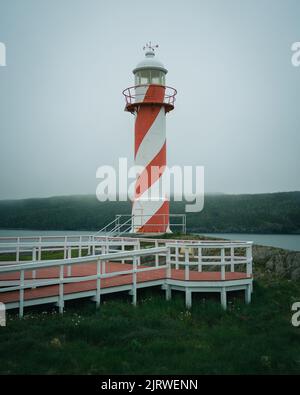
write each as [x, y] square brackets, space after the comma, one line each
[128, 223]
[135, 95]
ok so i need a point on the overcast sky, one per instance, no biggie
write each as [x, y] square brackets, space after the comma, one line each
[62, 111]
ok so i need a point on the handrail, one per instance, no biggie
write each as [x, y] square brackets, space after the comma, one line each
[102, 230]
[131, 95]
[90, 258]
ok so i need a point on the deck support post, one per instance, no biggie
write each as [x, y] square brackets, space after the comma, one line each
[168, 292]
[248, 292]
[188, 298]
[224, 298]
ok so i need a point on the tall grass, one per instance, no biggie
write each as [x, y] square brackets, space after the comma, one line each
[158, 337]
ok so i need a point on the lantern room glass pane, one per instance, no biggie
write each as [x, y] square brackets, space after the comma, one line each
[146, 77]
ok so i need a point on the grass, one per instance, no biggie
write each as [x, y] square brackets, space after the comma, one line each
[158, 337]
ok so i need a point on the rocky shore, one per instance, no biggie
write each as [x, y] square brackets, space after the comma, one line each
[279, 262]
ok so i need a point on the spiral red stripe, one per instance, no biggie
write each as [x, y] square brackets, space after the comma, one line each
[149, 177]
[144, 120]
[151, 213]
[159, 222]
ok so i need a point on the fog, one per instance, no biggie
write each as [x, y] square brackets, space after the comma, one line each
[62, 110]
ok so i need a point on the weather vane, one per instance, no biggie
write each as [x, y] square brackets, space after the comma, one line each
[150, 46]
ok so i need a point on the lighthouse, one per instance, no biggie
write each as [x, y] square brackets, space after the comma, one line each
[149, 100]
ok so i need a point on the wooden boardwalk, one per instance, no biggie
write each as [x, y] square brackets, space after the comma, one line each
[116, 264]
[82, 270]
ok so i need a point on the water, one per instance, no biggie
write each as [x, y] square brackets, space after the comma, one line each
[19, 232]
[288, 242]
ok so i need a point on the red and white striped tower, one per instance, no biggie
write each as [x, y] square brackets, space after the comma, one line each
[149, 100]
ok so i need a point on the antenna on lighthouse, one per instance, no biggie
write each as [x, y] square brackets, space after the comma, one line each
[150, 47]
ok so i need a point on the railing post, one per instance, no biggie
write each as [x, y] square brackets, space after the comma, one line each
[18, 250]
[134, 278]
[156, 255]
[65, 248]
[168, 275]
[34, 260]
[21, 301]
[79, 247]
[98, 292]
[222, 263]
[187, 265]
[69, 257]
[232, 259]
[89, 245]
[168, 263]
[177, 257]
[61, 289]
[33, 273]
[249, 261]
[103, 271]
[199, 259]
[40, 249]
[123, 249]
[138, 247]
[93, 246]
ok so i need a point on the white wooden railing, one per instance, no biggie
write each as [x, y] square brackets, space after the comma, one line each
[101, 260]
[168, 254]
[198, 255]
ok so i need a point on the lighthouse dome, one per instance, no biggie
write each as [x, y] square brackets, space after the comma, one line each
[150, 62]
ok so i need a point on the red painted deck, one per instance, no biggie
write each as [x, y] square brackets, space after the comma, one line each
[90, 269]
